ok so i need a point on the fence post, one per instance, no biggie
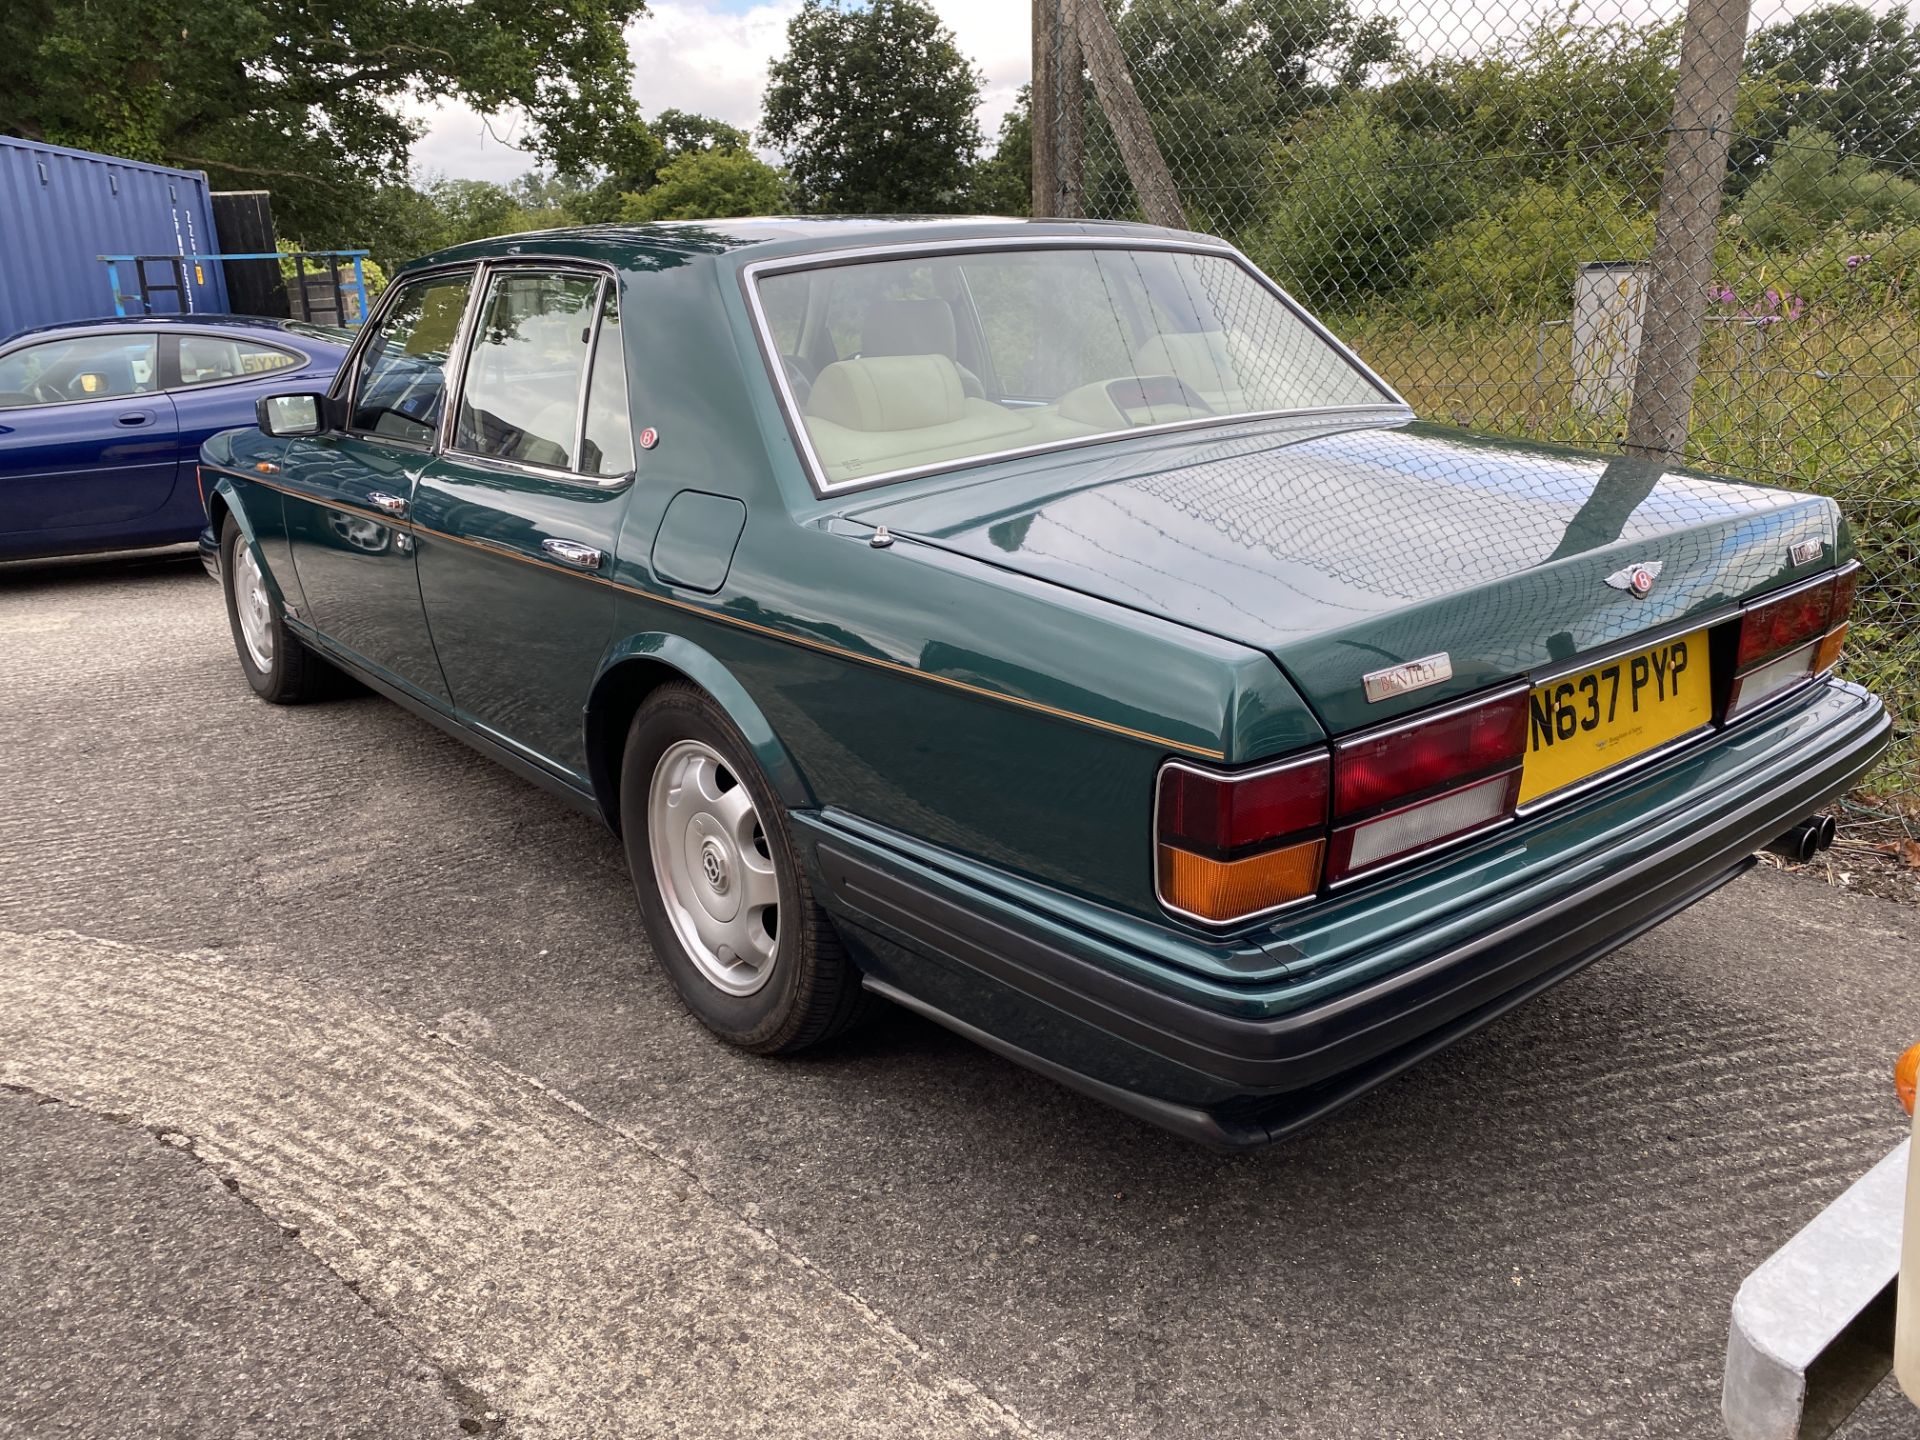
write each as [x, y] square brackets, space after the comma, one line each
[1069, 118]
[1711, 48]
[1046, 15]
[1058, 114]
[1113, 84]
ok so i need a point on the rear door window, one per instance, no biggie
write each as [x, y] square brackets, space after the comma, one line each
[521, 400]
[607, 447]
[400, 380]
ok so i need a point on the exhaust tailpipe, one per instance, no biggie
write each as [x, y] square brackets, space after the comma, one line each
[1829, 829]
[1800, 844]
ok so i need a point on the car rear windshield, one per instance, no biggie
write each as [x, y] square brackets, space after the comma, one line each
[905, 364]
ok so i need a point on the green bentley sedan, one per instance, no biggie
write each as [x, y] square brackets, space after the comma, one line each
[1050, 628]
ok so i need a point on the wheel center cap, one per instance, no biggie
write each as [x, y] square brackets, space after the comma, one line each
[713, 864]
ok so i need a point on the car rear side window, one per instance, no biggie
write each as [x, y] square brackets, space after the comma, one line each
[86, 367]
[205, 359]
[521, 398]
[607, 447]
[400, 383]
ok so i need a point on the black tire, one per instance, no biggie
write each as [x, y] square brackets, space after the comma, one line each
[294, 674]
[813, 991]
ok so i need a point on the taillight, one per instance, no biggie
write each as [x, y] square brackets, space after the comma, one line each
[1414, 785]
[1786, 641]
[1232, 846]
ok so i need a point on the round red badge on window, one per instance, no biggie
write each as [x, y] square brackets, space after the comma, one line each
[649, 438]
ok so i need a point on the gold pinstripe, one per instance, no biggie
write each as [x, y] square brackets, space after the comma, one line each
[720, 617]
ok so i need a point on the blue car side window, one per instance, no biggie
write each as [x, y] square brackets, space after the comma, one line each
[400, 386]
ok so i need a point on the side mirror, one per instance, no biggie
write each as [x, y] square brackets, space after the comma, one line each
[287, 416]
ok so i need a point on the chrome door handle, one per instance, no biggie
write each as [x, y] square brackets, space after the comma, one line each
[572, 552]
[387, 504]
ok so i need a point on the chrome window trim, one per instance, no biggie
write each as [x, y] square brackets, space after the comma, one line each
[750, 275]
[1297, 761]
[609, 280]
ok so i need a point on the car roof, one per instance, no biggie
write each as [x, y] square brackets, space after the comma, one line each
[106, 324]
[765, 236]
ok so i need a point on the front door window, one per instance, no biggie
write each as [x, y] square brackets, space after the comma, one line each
[400, 384]
[87, 367]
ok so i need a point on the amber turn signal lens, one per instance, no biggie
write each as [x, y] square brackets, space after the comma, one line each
[1905, 1073]
[1828, 655]
[1222, 890]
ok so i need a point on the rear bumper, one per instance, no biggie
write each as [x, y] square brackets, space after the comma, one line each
[1346, 998]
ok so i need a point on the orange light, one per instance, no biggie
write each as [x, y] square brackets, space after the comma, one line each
[1905, 1073]
[1222, 890]
[1828, 655]
[200, 484]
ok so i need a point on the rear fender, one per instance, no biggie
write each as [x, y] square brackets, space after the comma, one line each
[632, 670]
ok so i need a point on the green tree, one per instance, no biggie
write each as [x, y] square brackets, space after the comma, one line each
[1845, 71]
[683, 130]
[1221, 78]
[673, 133]
[1353, 200]
[1811, 188]
[711, 184]
[1003, 182]
[304, 99]
[1566, 100]
[873, 109]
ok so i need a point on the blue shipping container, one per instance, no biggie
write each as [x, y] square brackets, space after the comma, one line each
[61, 210]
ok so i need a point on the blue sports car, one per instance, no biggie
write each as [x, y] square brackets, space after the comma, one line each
[101, 421]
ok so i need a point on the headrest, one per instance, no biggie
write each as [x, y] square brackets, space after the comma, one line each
[1199, 357]
[889, 392]
[908, 327]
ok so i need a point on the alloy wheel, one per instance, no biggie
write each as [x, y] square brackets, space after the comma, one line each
[253, 606]
[714, 867]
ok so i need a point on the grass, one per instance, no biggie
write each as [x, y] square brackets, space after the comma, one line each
[1828, 403]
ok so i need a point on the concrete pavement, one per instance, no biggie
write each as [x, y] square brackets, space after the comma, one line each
[401, 1000]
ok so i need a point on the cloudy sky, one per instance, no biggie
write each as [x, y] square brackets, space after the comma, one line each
[711, 56]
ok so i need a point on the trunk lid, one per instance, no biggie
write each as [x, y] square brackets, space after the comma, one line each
[1344, 549]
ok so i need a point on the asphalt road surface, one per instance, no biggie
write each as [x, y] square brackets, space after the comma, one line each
[345, 1099]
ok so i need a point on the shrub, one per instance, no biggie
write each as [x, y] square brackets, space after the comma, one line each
[1354, 200]
[1519, 257]
[1809, 188]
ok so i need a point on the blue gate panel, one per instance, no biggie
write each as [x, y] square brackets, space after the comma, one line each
[60, 210]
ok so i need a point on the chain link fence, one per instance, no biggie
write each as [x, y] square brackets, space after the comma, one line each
[1523, 214]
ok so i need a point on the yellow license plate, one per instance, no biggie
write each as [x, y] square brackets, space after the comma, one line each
[1582, 724]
